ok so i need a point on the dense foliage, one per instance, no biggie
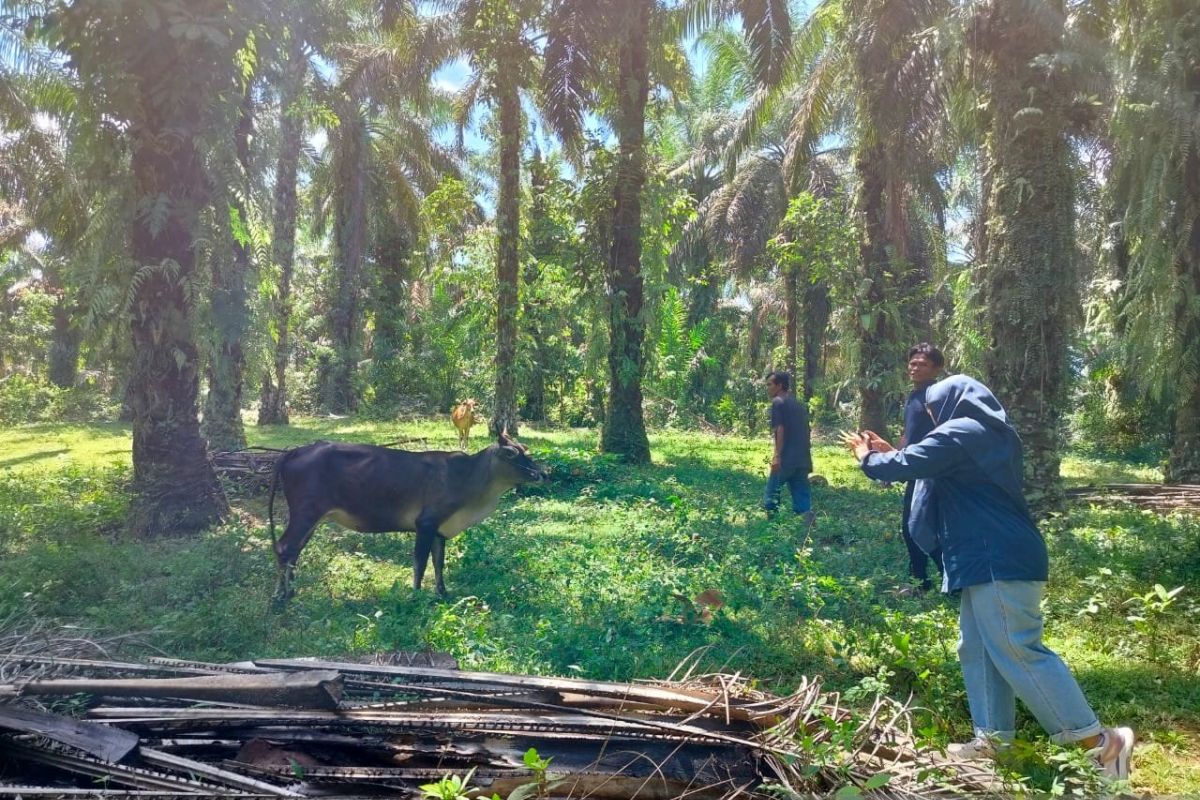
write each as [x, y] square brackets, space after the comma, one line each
[1013, 183]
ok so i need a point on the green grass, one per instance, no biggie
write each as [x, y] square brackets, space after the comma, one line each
[591, 574]
[1081, 470]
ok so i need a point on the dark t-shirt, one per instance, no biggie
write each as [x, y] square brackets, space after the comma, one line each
[917, 422]
[797, 453]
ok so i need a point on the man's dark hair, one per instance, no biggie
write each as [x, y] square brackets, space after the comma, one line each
[929, 351]
[781, 379]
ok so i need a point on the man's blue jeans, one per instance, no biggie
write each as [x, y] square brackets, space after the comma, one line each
[797, 481]
[1003, 658]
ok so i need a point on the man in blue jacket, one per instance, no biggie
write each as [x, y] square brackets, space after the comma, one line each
[968, 501]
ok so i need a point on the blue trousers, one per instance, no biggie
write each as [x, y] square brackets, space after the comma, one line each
[797, 482]
[918, 560]
[1003, 658]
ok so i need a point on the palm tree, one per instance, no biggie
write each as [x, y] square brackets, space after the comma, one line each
[388, 60]
[866, 69]
[61, 178]
[587, 40]
[407, 164]
[498, 38]
[167, 92]
[351, 147]
[695, 137]
[1028, 256]
[775, 159]
[231, 268]
[39, 181]
[1156, 192]
[272, 407]
[897, 111]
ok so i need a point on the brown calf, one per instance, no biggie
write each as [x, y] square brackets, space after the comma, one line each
[463, 417]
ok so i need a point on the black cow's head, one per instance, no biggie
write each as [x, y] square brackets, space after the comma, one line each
[514, 460]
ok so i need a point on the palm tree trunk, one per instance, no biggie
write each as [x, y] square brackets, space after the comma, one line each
[1183, 464]
[393, 259]
[625, 428]
[791, 292]
[230, 312]
[817, 309]
[338, 394]
[272, 408]
[508, 233]
[540, 246]
[877, 348]
[62, 358]
[1031, 295]
[175, 490]
[62, 353]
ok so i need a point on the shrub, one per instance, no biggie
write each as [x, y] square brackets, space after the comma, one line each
[22, 398]
[25, 399]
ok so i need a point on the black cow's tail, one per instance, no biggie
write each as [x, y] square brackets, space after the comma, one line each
[271, 502]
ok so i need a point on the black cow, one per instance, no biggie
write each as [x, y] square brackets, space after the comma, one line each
[377, 489]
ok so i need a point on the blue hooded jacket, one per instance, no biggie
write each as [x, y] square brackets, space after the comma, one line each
[968, 498]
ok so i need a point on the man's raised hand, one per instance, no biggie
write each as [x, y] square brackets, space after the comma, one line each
[878, 443]
[858, 443]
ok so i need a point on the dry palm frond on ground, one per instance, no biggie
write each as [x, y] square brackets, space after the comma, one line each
[71, 716]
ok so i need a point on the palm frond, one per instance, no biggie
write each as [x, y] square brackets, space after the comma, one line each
[464, 104]
[570, 69]
[769, 30]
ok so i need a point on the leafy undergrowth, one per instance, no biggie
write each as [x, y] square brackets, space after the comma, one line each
[595, 575]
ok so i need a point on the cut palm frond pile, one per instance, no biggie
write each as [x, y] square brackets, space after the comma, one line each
[306, 727]
[250, 470]
[1159, 497]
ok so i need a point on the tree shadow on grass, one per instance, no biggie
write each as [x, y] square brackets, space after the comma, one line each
[38, 456]
[1137, 692]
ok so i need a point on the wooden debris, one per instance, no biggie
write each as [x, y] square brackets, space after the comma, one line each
[1158, 497]
[215, 774]
[251, 470]
[660, 698]
[102, 741]
[309, 689]
[386, 729]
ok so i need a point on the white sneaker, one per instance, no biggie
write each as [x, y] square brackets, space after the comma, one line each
[977, 748]
[1113, 753]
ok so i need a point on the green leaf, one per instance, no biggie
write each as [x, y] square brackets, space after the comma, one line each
[524, 791]
[877, 780]
[237, 226]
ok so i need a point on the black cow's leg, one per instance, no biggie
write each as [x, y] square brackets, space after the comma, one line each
[426, 535]
[287, 552]
[439, 562]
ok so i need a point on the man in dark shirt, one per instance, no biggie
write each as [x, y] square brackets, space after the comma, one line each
[791, 458]
[925, 364]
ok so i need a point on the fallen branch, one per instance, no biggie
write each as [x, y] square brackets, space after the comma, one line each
[310, 689]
